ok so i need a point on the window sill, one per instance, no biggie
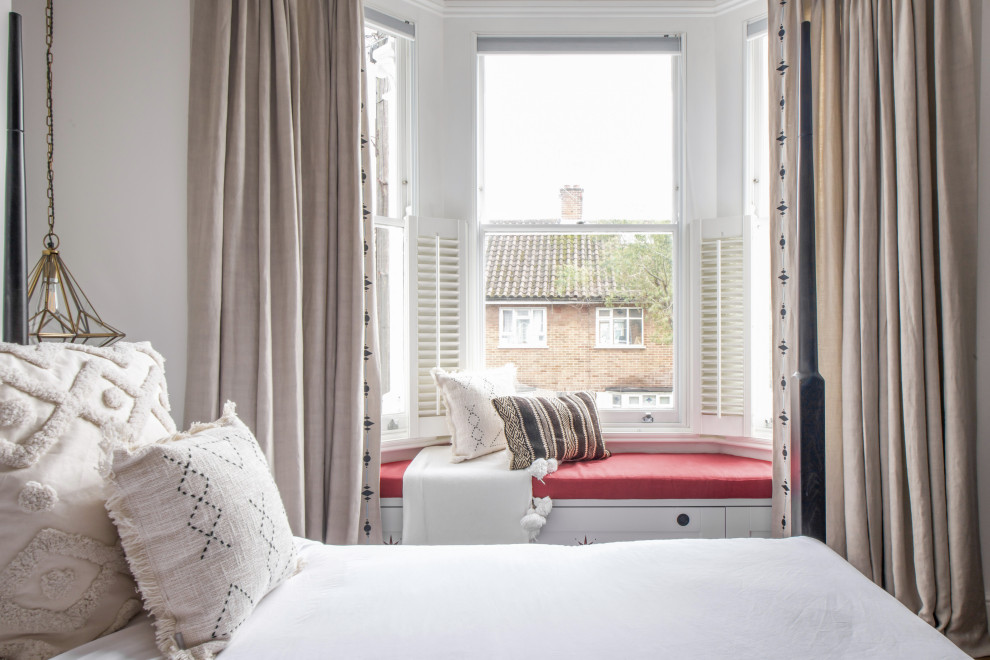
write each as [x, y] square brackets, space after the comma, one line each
[619, 440]
[621, 347]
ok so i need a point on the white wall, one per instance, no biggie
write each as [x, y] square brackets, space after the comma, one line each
[121, 72]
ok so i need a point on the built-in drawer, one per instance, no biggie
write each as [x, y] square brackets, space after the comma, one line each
[747, 522]
[578, 525]
[627, 520]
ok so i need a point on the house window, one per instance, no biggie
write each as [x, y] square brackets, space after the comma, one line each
[633, 400]
[522, 327]
[619, 326]
[388, 44]
[579, 207]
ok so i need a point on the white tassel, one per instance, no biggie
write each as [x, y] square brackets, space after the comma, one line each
[541, 467]
[536, 517]
[543, 505]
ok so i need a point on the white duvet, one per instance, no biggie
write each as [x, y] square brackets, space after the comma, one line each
[732, 598]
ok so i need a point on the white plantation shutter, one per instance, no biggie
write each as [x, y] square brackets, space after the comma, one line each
[724, 300]
[439, 278]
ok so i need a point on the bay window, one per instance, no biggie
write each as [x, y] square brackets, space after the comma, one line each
[580, 265]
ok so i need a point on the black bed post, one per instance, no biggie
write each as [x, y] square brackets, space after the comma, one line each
[808, 395]
[15, 234]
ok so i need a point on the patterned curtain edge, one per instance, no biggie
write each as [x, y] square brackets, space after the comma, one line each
[784, 21]
[371, 528]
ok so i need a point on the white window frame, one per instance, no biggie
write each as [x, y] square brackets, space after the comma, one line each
[678, 416]
[759, 414]
[754, 144]
[514, 311]
[402, 424]
[612, 320]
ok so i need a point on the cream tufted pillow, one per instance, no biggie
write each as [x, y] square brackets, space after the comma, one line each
[204, 530]
[475, 427]
[63, 578]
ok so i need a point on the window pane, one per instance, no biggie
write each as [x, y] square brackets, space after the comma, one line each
[381, 55]
[522, 325]
[757, 130]
[578, 138]
[619, 332]
[578, 276]
[636, 332]
[390, 282]
[619, 313]
[603, 332]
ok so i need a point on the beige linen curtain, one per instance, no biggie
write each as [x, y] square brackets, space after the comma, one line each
[895, 120]
[280, 313]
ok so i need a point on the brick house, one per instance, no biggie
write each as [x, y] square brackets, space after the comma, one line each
[562, 335]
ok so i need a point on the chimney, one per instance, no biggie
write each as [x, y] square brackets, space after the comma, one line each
[571, 204]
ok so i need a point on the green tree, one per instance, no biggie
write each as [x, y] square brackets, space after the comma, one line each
[634, 271]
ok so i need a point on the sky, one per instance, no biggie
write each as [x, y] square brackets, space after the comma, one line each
[601, 121]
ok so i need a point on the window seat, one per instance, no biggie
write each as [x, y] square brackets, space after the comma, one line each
[638, 477]
[635, 496]
[391, 478]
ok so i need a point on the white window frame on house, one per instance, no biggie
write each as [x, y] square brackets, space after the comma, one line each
[400, 423]
[677, 415]
[507, 336]
[608, 315]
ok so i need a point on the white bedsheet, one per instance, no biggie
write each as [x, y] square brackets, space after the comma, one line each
[732, 598]
[474, 502]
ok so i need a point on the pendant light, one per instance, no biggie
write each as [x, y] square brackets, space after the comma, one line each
[60, 310]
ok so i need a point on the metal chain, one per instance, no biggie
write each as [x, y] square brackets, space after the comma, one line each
[50, 239]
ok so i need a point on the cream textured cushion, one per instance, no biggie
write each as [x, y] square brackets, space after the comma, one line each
[475, 427]
[63, 578]
[204, 531]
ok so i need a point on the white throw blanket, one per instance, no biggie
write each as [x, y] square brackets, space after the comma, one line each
[477, 501]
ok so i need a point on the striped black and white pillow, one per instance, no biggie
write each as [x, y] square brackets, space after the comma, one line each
[564, 426]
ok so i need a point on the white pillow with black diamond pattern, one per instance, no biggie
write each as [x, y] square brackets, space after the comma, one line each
[204, 532]
[475, 427]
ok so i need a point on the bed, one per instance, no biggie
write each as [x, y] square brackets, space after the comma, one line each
[738, 598]
[731, 598]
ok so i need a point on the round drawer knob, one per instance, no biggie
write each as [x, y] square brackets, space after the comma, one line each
[683, 519]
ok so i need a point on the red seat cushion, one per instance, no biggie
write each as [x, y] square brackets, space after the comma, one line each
[391, 478]
[659, 477]
[639, 477]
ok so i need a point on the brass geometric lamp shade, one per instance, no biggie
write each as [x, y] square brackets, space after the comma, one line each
[60, 310]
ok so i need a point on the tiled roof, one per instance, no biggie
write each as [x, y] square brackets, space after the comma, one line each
[528, 266]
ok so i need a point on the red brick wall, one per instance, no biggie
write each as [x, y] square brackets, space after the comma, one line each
[571, 203]
[571, 361]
